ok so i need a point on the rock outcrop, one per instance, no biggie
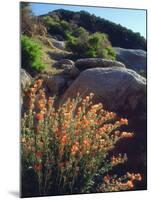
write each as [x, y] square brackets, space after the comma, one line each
[63, 62]
[124, 91]
[87, 63]
[71, 71]
[25, 78]
[58, 44]
[135, 59]
[119, 89]
[55, 83]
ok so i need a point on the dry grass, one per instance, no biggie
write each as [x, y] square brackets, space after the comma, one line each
[50, 54]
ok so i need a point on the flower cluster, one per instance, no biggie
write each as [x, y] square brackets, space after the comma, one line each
[66, 146]
[115, 160]
[125, 182]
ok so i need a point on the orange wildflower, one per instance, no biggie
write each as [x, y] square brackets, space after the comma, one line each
[134, 176]
[77, 143]
[32, 89]
[124, 121]
[106, 179]
[39, 154]
[127, 134]
[64, 126]
[38, 167]
[138, 177]
[40, 116]
[35, 85]
[74, 148]
[130, 184]
[64, 139]
[86, 143]
[41, 106]
[115, 160]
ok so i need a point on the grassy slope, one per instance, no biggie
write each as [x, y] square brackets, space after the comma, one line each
[50, 54]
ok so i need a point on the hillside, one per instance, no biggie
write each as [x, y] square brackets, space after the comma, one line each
[118, 35]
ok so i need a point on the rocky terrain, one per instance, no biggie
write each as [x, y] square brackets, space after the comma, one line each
[120, 84]
[133, 59]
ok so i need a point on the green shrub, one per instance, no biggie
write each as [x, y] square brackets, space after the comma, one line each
[86, 45]
[79, 31]
[78, 45]
[31, 54]
[56, 26]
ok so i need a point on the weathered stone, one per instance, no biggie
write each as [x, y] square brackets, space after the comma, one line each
[123, 91]
[63, 63]
[135, 59]
[71, 71]
[74, 72]
[119, 89]
[55, 83]
[58, 44]
[25, 78]
[88, 63]
[69, 83]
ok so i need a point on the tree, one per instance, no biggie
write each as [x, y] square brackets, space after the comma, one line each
[118, 35]
[25, 12]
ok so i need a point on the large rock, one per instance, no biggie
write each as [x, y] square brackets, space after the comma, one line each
[63, 63]
[58, 44]
[25, 78]
[124, 91]
[119, 89]
[135, 59]
[55, 83]
[87, 63]
[71, 71]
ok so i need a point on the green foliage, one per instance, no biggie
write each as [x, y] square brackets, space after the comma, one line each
[49, 20]
[119, 36]
[79, 31]
[56, 26]
[31, 54]
[90, 45]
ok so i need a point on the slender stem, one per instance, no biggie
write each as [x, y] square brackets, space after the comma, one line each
[45, 184]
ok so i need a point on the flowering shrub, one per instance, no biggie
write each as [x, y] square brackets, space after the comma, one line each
[68, 146]
[126, 182]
